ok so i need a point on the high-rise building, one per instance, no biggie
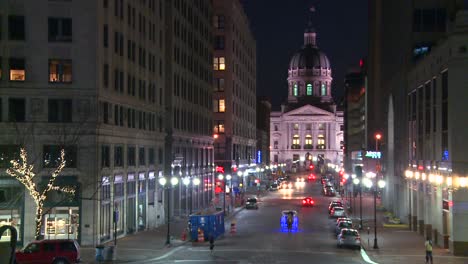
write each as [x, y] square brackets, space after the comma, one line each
[234, 93]
[125, 88]
[263, 131]
[408, 81]
[188, 92]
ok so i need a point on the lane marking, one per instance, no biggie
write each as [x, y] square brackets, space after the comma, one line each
[366, 258]
[152, 260]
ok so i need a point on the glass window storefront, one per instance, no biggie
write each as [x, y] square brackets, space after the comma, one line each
[131, 200]
[119, 202]
[105, 210]
[11, 203]
[141, 201]
[61, 223]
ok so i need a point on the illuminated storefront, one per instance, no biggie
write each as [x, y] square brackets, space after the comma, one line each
[11, 206]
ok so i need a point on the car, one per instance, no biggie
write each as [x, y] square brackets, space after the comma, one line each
[56, 251]
[339, 219]
[286, 185]
[284, 220]
[349, 237]
[333, 204]
[251, 203]
[273, 187]
[337, 212]
[341, 225]
[308, 201]
[311, 177]
[329, 191]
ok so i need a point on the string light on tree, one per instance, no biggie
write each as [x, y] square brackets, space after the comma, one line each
[23, 172]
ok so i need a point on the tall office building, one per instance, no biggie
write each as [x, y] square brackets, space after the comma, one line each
[188, 93]
[234, 93]
[125, 88]
[413, 77]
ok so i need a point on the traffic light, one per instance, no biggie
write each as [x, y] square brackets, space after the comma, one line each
[311, 166]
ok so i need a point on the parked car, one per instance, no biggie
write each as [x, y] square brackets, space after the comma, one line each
[349, 237]
[59, 251]
[341, 225]
[333, 204]
[337, 212]
[251, 203]
[274, 187]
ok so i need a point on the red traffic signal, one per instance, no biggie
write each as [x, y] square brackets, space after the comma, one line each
[311, 166]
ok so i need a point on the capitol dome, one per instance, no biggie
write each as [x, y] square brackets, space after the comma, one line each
[309, 57]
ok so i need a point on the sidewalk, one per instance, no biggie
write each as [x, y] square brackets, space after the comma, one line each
[393, 242]
[146, 244]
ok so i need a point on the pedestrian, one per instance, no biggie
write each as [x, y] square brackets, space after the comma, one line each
[428, 245]
[211, 243]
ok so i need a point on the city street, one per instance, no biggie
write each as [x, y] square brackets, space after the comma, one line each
[259, 238]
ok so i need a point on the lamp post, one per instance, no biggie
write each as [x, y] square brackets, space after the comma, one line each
[186, 182]
[163, 182]
[221, 178]
[229, 177]
[378, 136]
[196, 182]
[356, 182]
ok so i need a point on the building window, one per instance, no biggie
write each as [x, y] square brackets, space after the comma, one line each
[219, 64]
[219, 127]
[276, 127]
[219, 106]
[309, 89]
[1, 61]
[60, 110]
[105, 156]
[308, 140]
[106, 36]
[106, 75]
[219, 21]
[141, 156]
[321, 126]
[160, 156]
[16, 110]
[295, 90]
[324, 89]
[118, 156]
[51, 156]
[275, 144]
[131, 156]
[219, 43]
[105, 113]
[16, 28]
[17, 70]
[60, 29]
[219, 84]
[296, 142]
[60, 71]
[296, 126]
[321, 142]
[151, 156]
[308, 126]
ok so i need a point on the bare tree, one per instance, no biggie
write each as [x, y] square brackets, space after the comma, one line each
[23, 172]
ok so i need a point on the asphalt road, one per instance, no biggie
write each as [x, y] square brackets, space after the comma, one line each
[259, 238]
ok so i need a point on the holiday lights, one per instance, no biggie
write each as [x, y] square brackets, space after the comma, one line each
[23, 172]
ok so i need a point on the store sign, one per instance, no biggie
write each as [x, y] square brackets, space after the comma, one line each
[373, 154]
[259, 156]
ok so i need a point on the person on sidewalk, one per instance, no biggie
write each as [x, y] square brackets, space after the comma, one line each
[428, 245]
[211, 243]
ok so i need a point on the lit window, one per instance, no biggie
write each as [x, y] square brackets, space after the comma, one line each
[309, 89]
[295, 91]
[321, 142]
[296, 126]
[308, 140]
[17, 70]
[324, 89]
[218, 21]
[60, 71]
[296, 140]
[222, 106]
[219, 106]
[219, 64]
[275, 144]
[219, 127]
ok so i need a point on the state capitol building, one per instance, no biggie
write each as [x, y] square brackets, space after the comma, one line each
[309, 128]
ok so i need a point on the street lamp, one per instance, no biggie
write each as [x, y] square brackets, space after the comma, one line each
[163, 182]
[357, 181]
[186, 182]
[378, 136]
[221, 178]
[229, 187]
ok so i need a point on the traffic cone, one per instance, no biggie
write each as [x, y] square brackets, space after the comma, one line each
[201, 236]
[184, 235]
[233, 227]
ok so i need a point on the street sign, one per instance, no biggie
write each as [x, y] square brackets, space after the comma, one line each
[374, 154]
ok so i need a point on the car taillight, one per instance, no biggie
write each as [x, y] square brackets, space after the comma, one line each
[358, 238]
[303, 201]
[311, 202]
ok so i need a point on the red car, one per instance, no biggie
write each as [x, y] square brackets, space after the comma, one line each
[311, 177]
[308, 202]
[60, 251]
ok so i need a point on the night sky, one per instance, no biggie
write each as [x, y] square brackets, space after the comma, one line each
[278, 26]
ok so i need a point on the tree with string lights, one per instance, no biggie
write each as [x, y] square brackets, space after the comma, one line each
[23, 172]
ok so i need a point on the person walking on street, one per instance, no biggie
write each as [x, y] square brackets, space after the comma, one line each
[211, 243]
[428, 245]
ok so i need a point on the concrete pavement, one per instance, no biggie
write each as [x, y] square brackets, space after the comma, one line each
[151, 244]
